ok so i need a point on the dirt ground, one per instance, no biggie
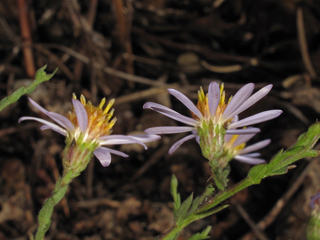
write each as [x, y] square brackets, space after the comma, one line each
[133, 51]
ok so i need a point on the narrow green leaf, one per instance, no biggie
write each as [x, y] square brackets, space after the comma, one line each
[203, 214]
[182, 211]
[40, 77]
[175, 194]
[202, 235]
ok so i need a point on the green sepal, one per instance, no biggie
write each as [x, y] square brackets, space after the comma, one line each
[40, 77]
[175, 194]
[202, 235]
[182, 211]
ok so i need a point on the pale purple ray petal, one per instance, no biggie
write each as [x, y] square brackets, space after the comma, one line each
[252, 100]
[243, 131]
[255, 154]
[198, 139]
[119, 139]
[314, 199]
[176, 145]
[49, 124]
[103, 156]
[228, 137]
[257, 118]
[255, 147]
[249, 160]
[235, 119]
[151, 105]
[82, 115]
[171, 114]
[146, 137]
[45, 127]
[186, 101]
[114, 152]
[240, 97]
[62, 120]
[242, 139]
[38, 106]
[168, 130]
[213, 98]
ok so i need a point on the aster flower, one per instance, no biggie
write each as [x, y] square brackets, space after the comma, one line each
[212, 116]
[235, 147]
[89, 127]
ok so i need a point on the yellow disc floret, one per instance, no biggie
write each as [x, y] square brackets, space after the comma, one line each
[99, 119]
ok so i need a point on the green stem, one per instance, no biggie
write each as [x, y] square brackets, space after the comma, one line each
[44, 217]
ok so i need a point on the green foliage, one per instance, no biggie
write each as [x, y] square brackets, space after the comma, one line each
[207, 205]
[202, 235]
[41, 76]
[175, 194]
[183, 210]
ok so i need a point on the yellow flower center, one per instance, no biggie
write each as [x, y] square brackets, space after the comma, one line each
[203, 105]
[99, 119]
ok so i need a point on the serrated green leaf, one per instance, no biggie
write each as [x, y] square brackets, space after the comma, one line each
[202, 235]
[175, 194]
[40, 77]
[182, 211]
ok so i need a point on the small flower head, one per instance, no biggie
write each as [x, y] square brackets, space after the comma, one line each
[313, 227]
[87, 130]
[235, 148]
[213, 117]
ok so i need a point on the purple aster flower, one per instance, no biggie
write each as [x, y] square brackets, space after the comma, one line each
[91, 125]
[212, 117]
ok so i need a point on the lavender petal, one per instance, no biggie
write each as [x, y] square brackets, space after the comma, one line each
[255, 147]
[176, 145]
[314, 199]
[252, 100]
[49, 124]
[253, 155]
[36, 105]
[46, 127]
[249, 160]
[170, 113]
[257, 118]
[240, 97]
[103, 156]
[168, 130]
[242, 139]
[213, 98]
[119, 139]
[243, 131]
[186, 101]
[82, 115]
[146, 137]
[235, 119]
[114, 152]
[62, 120]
